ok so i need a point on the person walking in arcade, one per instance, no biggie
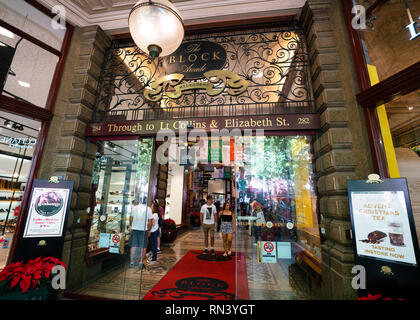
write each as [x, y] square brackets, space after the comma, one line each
[141, 220]
[227, 228]
[208, 217]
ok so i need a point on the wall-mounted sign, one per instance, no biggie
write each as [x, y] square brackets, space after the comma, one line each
[194, 58]
[24, 143]
[217, 81]
[151, 127]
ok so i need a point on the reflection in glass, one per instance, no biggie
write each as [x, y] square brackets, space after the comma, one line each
[276, 203]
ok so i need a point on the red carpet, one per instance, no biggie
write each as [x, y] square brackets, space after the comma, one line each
[203, 277]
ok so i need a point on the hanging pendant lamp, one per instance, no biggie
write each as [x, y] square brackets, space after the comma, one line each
[156, 27]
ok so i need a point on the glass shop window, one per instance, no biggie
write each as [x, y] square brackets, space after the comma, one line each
[18, 139]
[404, 122]
[388, 37]
[121, 175]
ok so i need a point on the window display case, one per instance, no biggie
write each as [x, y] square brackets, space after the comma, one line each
[121, 175]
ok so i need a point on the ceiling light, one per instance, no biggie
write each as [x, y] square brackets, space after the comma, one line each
[410, 108]
[24, 84]
[8, 124]
[6, 33]
[156, 27]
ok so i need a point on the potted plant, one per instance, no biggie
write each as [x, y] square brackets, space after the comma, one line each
[169, 231]
[27, 281]
[195, 219]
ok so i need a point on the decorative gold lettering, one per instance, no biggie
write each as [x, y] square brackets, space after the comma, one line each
[192, 57]
[215, 55]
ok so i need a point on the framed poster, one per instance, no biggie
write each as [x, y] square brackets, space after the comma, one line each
[47, 212]
[384, 234]
[46, 215]
[382, 227]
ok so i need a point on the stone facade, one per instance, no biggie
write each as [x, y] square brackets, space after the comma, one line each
[67, 152]
[341, 150]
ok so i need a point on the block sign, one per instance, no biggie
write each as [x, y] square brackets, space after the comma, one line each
[47, 212]
[268, 252]
[114, 245]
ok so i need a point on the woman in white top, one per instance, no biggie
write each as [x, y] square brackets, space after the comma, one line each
[155, 233]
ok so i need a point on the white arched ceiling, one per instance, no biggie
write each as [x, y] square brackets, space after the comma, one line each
[112, 15]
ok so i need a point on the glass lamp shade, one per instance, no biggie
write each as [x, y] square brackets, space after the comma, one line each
[156, 27]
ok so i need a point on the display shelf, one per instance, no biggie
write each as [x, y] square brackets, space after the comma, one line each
[11, 190]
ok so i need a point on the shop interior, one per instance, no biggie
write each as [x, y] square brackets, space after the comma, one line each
[258, 182]
[404, 121]
[18, 138]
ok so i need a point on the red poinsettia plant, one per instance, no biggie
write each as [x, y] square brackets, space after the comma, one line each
[195, 214]
[30, 275]
[169, 224]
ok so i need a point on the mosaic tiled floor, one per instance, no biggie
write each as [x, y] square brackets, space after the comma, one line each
[265, 281]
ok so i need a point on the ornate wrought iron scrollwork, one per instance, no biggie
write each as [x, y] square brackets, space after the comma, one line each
[274, 63]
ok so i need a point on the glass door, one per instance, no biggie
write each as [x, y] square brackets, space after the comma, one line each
[120, 182]
[278, 247]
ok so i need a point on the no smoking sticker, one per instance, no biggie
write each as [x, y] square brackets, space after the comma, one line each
[114, 246]
[268, 252]
[268, 247]
[116, 239]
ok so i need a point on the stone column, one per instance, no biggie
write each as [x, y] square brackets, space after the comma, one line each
[341, 149]
[67, 152]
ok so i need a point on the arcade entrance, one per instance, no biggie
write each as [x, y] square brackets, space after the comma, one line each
[268, 183]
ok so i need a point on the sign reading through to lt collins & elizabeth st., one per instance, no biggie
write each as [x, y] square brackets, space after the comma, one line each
[151, 127]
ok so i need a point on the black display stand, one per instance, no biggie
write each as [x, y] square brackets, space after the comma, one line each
[44, 246]
[390, 278]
